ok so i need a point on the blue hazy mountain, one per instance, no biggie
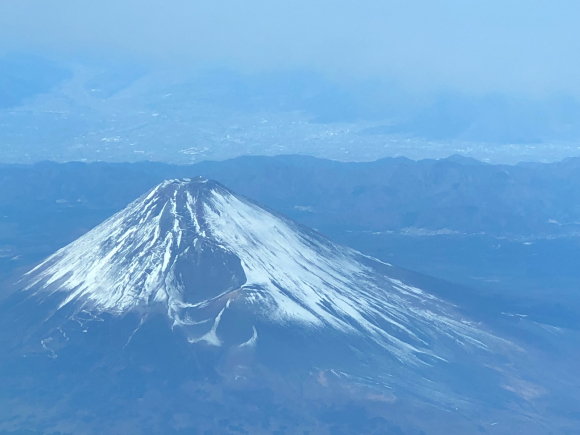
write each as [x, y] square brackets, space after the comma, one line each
[26, 76]
[128, 111]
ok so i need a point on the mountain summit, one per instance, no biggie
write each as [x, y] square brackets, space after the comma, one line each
[200, 305]
[192, 248]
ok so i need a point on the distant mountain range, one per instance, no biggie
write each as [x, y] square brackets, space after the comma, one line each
[511, 231]
[455, 195]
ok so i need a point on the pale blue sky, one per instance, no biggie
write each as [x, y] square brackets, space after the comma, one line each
[529, 47]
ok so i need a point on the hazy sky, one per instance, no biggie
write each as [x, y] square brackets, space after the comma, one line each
[526, 47]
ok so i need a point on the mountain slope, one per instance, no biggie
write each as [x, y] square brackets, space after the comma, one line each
[198, 295]
[159, 251]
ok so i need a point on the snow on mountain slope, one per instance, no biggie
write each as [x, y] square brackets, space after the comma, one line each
[194, 249]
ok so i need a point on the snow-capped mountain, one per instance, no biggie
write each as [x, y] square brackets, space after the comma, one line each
[192, 248]
[204, 298]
